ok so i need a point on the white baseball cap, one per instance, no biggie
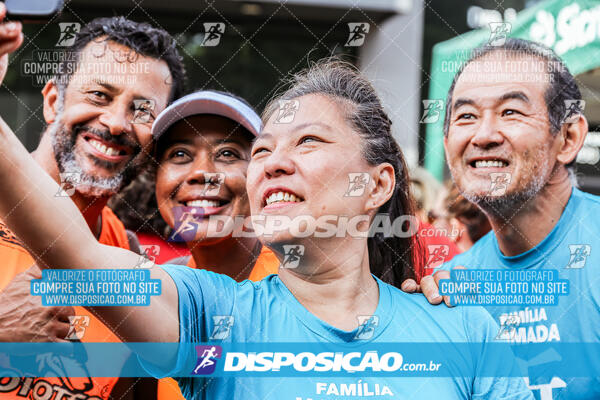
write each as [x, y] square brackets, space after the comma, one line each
[207, 102]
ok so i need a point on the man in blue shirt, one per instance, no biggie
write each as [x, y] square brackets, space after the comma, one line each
[513, 128]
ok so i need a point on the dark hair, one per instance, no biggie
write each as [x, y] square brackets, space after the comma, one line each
[141, 37]
[468, 213]
[562, 85]
[391, 258]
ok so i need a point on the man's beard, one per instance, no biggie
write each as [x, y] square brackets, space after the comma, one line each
[73, 174]
[511, 203]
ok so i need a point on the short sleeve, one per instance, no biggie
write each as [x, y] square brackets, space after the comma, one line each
[201, 294]
[497, 374]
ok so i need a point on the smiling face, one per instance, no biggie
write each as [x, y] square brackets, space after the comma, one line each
[499, 146]
[93, 132]
[191, 149]
[302, 168]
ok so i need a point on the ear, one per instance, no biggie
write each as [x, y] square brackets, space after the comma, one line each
[50, 93]
[384, 183]
[573, 136]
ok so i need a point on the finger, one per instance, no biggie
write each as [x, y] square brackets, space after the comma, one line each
[2, 11]
[33, 272]
[58, 330]
[62, 313]
[10, 29]
[442, 274]
[430, 290]
[8, 46]
[409, 286]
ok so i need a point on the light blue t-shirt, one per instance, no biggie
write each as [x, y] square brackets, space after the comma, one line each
[266, 311]
[573, 249]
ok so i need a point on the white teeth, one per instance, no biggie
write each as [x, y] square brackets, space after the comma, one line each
[490, 164]
[282, 196]
[202, 203]
[109, 151]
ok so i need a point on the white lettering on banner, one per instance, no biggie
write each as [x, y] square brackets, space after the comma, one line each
[573, 28]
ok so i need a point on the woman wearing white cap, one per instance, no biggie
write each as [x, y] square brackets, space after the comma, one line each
[203, 149]
[338, 128]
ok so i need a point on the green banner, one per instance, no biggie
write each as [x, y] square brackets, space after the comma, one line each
[570, 28]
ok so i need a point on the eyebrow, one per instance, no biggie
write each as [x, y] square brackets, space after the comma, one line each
[105, 85]
[308, 124]
[517, 95]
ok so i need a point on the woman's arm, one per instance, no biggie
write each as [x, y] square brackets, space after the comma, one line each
[54, 229]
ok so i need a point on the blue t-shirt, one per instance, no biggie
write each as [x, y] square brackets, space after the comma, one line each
[266, 311]
[571, 248]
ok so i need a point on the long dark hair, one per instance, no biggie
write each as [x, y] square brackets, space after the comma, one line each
[392, 258]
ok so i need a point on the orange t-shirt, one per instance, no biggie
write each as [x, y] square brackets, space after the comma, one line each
[266, 264]
[16, 259]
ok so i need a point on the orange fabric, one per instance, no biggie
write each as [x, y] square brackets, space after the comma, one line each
[266, 264]
[15, 259]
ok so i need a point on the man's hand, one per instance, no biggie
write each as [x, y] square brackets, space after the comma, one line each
[429, 286]
[24, 319]
[11, 37]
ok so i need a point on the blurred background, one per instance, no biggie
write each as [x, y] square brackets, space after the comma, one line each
[408, 48]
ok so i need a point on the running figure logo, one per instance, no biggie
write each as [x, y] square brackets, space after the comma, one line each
[212, 183]
[77, 323]
[437, 255]
[579, 255]
[432, 109]
[357, 184]
[508, 327]
[499, 183]
[212, 33]
[358, 33]
[223, 325]
[68, 181]
[366, 326]
[574, 109]
[292, 255]
[186, 223]
[207, 359]
[287, 111]
[144, 111]
[151, 251]
[499, 32]
[68, 33]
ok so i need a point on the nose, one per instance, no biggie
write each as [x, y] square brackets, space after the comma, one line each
[279, 163]
[201, 172]
[488, 134]
[118, 120]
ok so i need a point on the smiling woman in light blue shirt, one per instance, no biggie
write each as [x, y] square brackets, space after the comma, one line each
[326, 153]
